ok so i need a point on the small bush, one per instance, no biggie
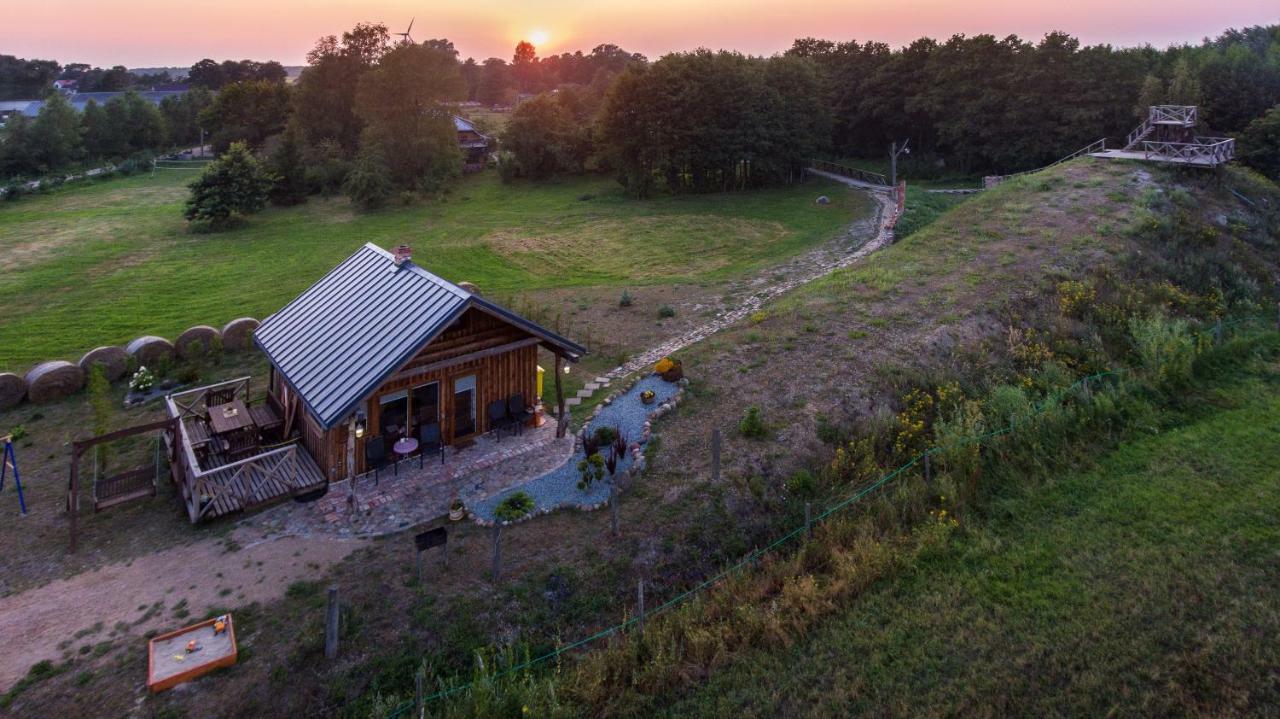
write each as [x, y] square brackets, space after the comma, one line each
[802, 484]
[605, 435]
[752, 424]
[626, 300]
[517, 506]
[666, 311]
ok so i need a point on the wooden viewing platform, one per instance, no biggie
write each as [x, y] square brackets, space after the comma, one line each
[1168, 135]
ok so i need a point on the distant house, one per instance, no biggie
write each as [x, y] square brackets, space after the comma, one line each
[474, 144]
[79, 100]
[67, 87]
[9, 108]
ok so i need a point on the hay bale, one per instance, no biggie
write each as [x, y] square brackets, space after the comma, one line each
[238, 334]
[149, 350]
[469, 287]
[12, 389]
[198, 340]
[53, 380]
[112, 359]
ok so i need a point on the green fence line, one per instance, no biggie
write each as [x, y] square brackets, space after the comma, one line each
[1051, 400]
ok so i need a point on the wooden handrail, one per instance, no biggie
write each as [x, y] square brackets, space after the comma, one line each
[871, 178]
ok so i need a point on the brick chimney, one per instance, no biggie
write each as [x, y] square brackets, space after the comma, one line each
[403, 254]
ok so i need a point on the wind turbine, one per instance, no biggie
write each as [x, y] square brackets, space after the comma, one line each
[405, 37]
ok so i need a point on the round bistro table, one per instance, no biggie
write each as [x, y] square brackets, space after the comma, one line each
[405, 447]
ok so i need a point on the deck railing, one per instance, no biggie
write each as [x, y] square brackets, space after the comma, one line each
[1206, 150]
[853, 173]
[190, 403]
[1172, 114]
[1099, 146]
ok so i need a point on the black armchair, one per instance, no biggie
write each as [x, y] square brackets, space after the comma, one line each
[375, 456]
[497, 415]
[517, 412]
[429, 442]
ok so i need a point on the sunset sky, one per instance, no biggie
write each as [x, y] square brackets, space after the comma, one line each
[164, 32]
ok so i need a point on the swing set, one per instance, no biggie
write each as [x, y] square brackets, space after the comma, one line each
[10, 461]
[130, 485]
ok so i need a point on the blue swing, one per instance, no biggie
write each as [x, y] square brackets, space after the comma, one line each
[11, 460]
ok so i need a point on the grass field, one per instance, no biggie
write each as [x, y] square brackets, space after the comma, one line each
[1144, 587]
[106, 262]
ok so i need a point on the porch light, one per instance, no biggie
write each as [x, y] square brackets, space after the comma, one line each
[566, 369]
[360, 423]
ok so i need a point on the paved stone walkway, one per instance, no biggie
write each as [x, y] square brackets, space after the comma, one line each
[411, 495]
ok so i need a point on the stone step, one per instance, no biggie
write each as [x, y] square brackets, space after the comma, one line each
[593, 386]
[603, 381]
[573, 402]
[586, 392]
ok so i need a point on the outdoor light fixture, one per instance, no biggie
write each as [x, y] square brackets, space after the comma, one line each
[566, 369]
[360, 422]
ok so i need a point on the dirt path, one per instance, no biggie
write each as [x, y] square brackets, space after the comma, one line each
[161, 591]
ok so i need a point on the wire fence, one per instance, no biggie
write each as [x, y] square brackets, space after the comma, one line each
[1083, 387]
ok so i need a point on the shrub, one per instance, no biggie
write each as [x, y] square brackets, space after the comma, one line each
[752, 424]
[1165, 347]
[605, 435]
[802, 484]
[517, 506]
[626, 299]
[231, 186]
[666, 311]
[369, 182]
[590, 469]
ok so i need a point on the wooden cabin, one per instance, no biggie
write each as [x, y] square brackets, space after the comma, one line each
[473, 143]
[383, 346]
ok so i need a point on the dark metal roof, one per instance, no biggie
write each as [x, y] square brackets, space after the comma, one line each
[338, 342]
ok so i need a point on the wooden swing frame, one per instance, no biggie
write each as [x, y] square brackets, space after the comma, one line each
[128, 479]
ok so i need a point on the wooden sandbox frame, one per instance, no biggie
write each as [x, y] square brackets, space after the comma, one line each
[209, 661]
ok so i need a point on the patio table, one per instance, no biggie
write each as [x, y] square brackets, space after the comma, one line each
[405, 447]
[229, 417]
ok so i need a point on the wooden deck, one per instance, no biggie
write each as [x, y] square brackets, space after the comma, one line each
[1193, 161]
[214, 482]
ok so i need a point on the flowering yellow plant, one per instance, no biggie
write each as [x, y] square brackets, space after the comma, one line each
[664, 365]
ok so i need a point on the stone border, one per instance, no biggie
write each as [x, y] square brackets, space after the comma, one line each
[113, 357]
[638, 464]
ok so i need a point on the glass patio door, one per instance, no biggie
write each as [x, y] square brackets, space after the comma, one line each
[464, 406]
[394, 415]
[425, 404]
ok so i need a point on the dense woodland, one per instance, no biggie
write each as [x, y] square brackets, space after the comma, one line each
[371, 117]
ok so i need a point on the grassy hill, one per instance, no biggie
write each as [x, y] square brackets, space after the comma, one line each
[106, 262]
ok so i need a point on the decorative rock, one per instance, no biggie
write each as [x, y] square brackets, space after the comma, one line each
[112, 359]
[149, 350]
[824, 200]
[238, 334]
[198, 340]
[53, 380]
[12, 389]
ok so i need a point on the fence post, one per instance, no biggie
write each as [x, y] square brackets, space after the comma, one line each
[331, 625]
[640, 603]
[613, 506]
[928, 470]
[1217, 331]
[715, 455]
[497, 552]
[419, 708]
[808, 519]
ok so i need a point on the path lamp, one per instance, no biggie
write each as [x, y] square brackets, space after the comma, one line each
[894, 151]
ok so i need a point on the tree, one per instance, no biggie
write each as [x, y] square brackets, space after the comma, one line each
[57, 135]
[17, 151]
[524, 67]
[495, 81]
[289, 172]
[1184, 87]
[538, 136]
[369, 183]
[229, 188]
[25, 79]
[249, 111]
[1260, 144]
[471, 77]
[181, 116]
[401, 104]
[207, 74]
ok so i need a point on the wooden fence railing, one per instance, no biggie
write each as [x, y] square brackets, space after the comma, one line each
[853, 173]
[190, 403]
[1206, 150]
[1091, 148]
[241, 480]
[1176, 114]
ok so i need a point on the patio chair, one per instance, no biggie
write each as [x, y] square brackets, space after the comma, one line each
[375, 456]
[221, 395]
[518, 412]
[497, 414]
[240, 444]
[429, 442]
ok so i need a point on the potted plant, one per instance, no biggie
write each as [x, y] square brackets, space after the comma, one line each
[456, 510]
[648, 396]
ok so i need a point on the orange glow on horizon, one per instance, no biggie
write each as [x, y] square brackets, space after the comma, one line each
[163, 34]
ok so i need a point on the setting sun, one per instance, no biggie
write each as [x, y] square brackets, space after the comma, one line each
[539, 37]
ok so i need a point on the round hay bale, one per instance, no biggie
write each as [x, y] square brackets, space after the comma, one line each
[198, 340]
[149, 350]
[469, 287]
[12, 389]
[112, 359]
[238, 334]
[53, 380]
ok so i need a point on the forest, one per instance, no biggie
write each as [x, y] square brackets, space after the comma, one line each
[371, 117]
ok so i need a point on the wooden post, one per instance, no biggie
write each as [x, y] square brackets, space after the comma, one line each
[808, 519]
[71, 493]
[1217, 331]
[497, 552]
[613, 506]
[928, 471]
[331, 625]
[418, 566]
[715, 455]
[640, 603]
[419, 707]
[562, 426]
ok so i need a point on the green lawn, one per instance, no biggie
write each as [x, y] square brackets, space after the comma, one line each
[1146, 587]
[106, 262]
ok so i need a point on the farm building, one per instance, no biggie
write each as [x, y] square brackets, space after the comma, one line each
[376, 351]
[474, 144]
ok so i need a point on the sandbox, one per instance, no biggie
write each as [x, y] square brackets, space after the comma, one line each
[169, 663]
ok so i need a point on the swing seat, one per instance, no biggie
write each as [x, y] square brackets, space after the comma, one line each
[124, 487]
